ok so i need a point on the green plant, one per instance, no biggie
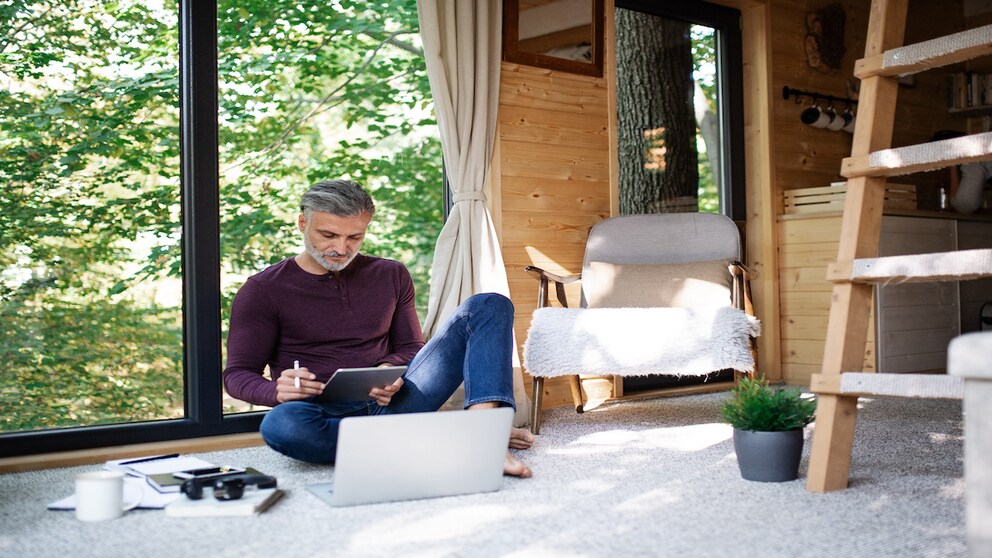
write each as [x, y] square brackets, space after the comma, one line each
[758, 407]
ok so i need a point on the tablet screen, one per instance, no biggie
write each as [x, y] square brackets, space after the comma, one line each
[354, 384]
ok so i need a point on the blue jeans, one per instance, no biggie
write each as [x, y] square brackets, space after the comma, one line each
[474, 346]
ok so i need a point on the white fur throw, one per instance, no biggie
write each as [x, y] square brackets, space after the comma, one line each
[639, 341]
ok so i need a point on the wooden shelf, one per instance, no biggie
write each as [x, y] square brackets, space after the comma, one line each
[983, 110]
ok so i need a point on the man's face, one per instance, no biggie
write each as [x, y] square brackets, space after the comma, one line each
[333, 241]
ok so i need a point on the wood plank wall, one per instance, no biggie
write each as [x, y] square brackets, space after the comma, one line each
[808, 157]
[554, 182]
[807, 245]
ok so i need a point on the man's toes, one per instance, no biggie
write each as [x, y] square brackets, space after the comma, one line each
[515, 468]
[521, 439]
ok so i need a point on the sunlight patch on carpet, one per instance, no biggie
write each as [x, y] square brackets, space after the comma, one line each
[695, 437]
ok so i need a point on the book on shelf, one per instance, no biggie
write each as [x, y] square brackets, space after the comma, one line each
[253, 502]
[969, 90]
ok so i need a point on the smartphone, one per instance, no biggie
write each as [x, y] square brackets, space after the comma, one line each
[207, 472]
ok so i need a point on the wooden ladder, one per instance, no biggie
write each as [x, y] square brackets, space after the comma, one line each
[857, 269]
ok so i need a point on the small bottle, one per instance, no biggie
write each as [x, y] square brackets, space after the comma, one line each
[943, 197]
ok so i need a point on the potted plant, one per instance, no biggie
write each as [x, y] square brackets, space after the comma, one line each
[768, 429]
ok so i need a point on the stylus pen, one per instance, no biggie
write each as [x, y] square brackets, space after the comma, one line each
[296, 380]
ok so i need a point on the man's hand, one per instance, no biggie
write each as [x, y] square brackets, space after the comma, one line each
[385, 394]
[286, 385]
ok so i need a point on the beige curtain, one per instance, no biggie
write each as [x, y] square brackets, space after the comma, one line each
[462, 48]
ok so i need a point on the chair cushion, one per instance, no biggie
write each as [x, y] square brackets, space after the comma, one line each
[690, 284]
[639, 341]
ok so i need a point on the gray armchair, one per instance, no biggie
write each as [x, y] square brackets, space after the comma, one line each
[660, 294]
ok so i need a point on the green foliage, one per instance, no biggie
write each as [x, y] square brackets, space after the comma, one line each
[760, 408]
[709, 197]
[94, 362]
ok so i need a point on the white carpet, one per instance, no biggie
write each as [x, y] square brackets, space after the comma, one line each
[648, 478]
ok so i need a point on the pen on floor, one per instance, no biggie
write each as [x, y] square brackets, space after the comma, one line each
[296, 380]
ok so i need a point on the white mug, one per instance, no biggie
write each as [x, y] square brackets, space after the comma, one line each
[100, 496]
[826, 117]
[840, 120]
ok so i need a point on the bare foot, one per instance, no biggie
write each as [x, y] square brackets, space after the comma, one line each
[521, 438]
[515, 468]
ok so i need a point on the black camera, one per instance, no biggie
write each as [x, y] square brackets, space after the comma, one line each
[230, 487]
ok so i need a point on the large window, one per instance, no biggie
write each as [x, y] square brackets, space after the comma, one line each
[152, 156]
[91, 319]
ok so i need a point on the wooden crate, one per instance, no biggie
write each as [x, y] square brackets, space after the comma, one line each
[831, 198]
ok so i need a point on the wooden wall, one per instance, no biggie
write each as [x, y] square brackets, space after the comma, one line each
[809, 157]
[807, 244]
[553, 175]
[554, 180]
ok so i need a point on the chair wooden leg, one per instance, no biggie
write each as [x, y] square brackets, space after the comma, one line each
[536, 399]
[573, 381]
[833, 441]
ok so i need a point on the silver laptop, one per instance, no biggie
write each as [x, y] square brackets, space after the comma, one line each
[419, 455]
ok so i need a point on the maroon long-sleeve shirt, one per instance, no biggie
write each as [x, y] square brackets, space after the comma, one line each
[364, 315]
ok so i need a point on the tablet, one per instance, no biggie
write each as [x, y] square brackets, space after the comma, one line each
[354, 384]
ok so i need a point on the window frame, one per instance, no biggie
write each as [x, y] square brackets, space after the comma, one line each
[730, 70]
[200, 225]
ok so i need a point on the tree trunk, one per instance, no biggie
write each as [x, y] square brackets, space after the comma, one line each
[655, 115]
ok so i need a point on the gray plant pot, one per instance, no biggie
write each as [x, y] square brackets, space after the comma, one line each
[769, 456]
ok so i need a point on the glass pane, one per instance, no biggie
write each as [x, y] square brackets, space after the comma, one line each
[90, 297]
[313, 91]
[667, 115]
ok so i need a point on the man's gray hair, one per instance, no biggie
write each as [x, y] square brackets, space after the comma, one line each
[344, 198]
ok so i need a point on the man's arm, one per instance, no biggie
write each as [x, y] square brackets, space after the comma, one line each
[406, 338]
[251, 338]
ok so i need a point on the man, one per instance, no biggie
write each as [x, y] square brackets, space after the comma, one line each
[331, 307]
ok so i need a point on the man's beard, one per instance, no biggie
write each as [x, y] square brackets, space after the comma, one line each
[319, 256]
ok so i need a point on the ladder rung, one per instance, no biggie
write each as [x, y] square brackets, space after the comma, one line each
[921, 157]
[919, 268]
[918, 57]
[869, 384]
